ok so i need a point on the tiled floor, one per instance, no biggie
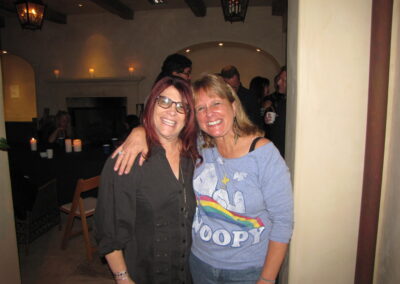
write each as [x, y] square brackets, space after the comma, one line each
[46, 263]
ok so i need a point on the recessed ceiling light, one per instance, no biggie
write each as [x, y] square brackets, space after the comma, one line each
[4, 51]
[80, 5]
[187, 50]
[258, 50]
[157, 2]
[221, 44]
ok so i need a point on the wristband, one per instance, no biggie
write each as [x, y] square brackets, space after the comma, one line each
[266, 280]
[122, 275]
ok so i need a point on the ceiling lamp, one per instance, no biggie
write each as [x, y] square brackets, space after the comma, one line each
[234, 10]
[30, 14]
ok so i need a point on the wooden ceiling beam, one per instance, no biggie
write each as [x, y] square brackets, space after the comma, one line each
[116, 7]
[198, 7]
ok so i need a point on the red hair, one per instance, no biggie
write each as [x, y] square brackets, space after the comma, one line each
[188, 134]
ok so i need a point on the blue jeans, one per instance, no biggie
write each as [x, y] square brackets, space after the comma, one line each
[203, 273]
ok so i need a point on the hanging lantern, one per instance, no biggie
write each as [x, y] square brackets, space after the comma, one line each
[234, 10]
[30, 14]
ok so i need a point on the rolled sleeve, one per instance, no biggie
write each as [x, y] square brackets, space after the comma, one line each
[115, 215]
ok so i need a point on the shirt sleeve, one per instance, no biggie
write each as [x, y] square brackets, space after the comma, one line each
[278, 195]
[114, 220]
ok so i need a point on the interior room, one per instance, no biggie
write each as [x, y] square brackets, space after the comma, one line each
[98, 59]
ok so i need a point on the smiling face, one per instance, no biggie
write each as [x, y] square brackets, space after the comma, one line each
[168, 122]
[215, 115]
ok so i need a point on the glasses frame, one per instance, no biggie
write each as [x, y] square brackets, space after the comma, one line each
[180, 107]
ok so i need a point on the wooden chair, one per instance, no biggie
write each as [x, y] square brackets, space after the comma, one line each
[81, 208]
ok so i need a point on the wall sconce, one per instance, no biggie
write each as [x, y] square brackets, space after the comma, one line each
[30, 13]
[56, 73]
[131, 69]
[91, 72]
[234, 10]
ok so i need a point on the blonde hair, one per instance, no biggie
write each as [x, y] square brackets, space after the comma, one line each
[214, 84]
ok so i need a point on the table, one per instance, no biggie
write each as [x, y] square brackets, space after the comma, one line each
[28, 171]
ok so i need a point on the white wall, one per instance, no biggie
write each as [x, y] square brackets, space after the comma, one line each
[328, 56]
[110, 45]
[388, 248]
[9, 266]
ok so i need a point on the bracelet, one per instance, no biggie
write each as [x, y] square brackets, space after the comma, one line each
[122, 275]
[266, 280]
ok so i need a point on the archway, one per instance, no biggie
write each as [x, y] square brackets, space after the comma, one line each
[251, 61]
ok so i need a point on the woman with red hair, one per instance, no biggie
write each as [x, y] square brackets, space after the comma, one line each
[143, 219]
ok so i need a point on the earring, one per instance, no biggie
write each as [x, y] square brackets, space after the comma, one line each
[235, 129]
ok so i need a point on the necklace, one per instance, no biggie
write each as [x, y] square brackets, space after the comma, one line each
[220, 162]
[185, 211]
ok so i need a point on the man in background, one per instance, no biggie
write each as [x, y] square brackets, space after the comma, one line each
[278, 127]
[231, 75]
[176, 65]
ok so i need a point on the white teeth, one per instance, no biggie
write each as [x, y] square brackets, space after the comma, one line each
[168, 122]
[214, 122]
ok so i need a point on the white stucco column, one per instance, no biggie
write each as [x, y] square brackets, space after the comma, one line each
[328, 61]
[9, 265]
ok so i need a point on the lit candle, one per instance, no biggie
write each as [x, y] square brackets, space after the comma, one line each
[68, 145]
[91, 72]
[77, 143]
[33, 144]
[56, 73]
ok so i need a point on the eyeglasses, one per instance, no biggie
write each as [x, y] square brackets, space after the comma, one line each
[166, 102]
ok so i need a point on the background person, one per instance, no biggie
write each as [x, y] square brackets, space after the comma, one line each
[143, 220]
[176, 65]
[277, 128]
[62, 128]
[259, 86]
[231, 75]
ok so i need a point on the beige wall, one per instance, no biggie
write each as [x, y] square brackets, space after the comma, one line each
[388, 249]
[110, 45]
[19, 89]
[328, 55]
[9, 266]
[210, 58]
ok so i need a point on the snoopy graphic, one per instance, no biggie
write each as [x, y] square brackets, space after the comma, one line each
[206, 184]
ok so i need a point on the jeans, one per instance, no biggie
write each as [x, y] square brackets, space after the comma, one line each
[202, 273]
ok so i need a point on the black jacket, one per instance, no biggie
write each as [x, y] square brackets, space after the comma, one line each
[250, 104]
[148, 214]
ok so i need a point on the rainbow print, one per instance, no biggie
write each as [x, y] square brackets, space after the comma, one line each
[213, 209]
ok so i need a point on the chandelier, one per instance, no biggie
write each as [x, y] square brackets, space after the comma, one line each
[234, 10]
[30, 14]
